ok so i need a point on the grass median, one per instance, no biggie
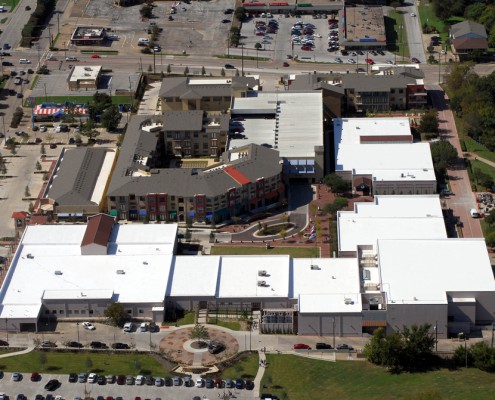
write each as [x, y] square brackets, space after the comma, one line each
[299, 378]
[101, 363]
[296, 252]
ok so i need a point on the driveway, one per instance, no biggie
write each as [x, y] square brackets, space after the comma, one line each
[463, 199]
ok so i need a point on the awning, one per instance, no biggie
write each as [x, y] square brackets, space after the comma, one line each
[47, 207]
[77, 215]
[209, 215]
[63, 215]
[142, 213]
[377, 323]
[191, 213]
[114, 213]
[172, 213]
[133, 212]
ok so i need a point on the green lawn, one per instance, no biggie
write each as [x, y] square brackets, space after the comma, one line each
[396, 36]
[246, 368]
[487, 169]
[226, 323]
[64, 363]
[305, 379]
[475, 147]
[187, 319]
[296, 252]
[77, 99]
[427, 15]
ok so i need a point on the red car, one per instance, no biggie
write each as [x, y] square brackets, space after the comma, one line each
[306, 48]
[369, 61]
[95, 56]
[301, 346]
[35, 377]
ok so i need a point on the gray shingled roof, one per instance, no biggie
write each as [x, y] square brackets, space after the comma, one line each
[77, 176]
[183, 120]
[467, 27]
[182, 182]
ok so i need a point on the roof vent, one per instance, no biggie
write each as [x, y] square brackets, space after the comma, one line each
[29, 255]
[57, 272]
[262, 272]
[348, 301]
[120, 272]
[315, 267]
[261, 283]
[145, 262]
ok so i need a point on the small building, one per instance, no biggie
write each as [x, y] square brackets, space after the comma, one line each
[468, 37]
[88, 36]
[78, 183]
[362, 28]
[84, 77]
[379, 157]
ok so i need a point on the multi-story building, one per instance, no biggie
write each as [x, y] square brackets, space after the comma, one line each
[148, 184]
[394, 88]
[194, 133]
[206, 94]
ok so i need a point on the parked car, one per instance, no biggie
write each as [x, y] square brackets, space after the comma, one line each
[249, 385]
[72, 377]
[139, 380]
[323, 346]
[47, 343]
[209, 384]
[95, 56]
[187, 381]
[54, 146]
[215, 347]
[92, 377]
[119, 345]
[169, 382]
[199, 383]
[239, 383]
[229, 384]
[16, 376]
[98, 345]
[149, 380]
[159, 381]
[219, 383]
[344, 347]
[121, 380]
[301, 346]
[35, 377]
[101, 380]
[73, 344]
[229, 66]
[415, 60]
[87, 325]
[52, 385]
[82, 377]
[129, 380]
[177, 381]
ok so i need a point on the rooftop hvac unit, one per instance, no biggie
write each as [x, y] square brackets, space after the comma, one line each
[120, 272]
[261, 283]
[348, 301]
[58, 272]
[29, 255]
[315, 267]
[262, 272]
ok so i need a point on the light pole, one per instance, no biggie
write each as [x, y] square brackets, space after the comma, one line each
[333, 321]
[242, 60]
[7, 328]
[492, 329]
[77, 324]
[436, 336]
[465, 351]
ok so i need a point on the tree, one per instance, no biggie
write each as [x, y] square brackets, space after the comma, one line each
[282, 233]
[419, 343]
[37, 166]
[186, 71]
[116, 313]
[49, 138]
[199, 333]
[146, 11]
[169, 69]
[88, 363]
[99, 103]
[336, 183]
[240, 13]
[42, 150]
[338, 204]
[222, 72]
[429, 122]
[31, 207]
[483, 178]
[443, 154]
[111, 117]
[27, 192]
[203, 71]
[42, 359]
[137, 365]
[483, 356]
[88, 129]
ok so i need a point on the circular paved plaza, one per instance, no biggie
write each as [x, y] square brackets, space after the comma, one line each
[178, 347]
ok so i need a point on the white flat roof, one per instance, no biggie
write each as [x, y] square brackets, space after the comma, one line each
[101, 182]
[85, 72]
[55, 267]
[349, 130]
[195, 276]
[333, 288]
[384, 161]
[391, 217]
[239, 277]
[424, 271]
[300, 122]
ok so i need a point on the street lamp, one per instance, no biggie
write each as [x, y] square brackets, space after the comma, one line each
[436, 336]
[333, 321]
[77, 324]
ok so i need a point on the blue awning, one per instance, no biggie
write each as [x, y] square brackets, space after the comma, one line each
[191, 213]
[62, 215]
[133, 212]
[209, 215]
[142, 212]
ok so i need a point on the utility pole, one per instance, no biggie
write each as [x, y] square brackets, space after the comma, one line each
[439, 68]
[154, 62]
[333, 332]
[436, 336]
[242, 61]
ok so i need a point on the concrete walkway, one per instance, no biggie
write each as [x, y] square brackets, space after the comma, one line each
[18, 353]
[259, 374]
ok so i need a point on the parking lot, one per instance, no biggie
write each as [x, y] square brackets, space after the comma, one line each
[72, 390]
[289, 40]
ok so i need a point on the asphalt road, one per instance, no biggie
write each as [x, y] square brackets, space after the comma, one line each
[414, 34]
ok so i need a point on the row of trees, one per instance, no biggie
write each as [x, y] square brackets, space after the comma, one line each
[472, 97]
[43, 11]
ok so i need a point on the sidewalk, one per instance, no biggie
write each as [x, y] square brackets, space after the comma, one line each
[18, 353]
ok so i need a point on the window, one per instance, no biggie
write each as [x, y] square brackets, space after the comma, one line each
[181, 209]
[196, 134]
[122, 207]
[76, 311]
[47, 311]
[151, 199]
[91, 312]
[83, 311]
[152, 208]
[112, 198]
[123, 215]
[61, 311]
[132, 197]
[141, 311]
[161, 199]
[129, 311]
[199, 200]
[141, 198]
[152, 217]
[181, 199]
[54, 311]
[69, 312]
[162, 208]
[401, 90]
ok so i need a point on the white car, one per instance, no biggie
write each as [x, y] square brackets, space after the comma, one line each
[413, 15]
[199, 382]
[351, 60]
[139, 380]
[92, 377]
[3, 396]
[88, 325]
[443, 52]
